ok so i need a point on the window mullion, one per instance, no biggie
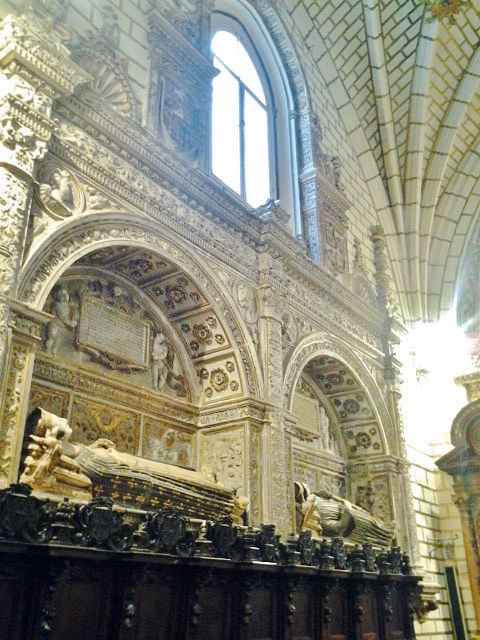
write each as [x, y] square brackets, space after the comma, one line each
[241, 98]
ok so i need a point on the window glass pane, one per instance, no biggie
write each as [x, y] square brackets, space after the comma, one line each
[232, 53]
[225, 129]
[256, 153]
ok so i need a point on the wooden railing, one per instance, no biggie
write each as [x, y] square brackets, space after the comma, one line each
[85, 572]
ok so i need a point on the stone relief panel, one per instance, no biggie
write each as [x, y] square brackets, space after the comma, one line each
[353, 407]
[317, 479]
[177, 294]
[220, 378]
[93, 420]
[139, 266]
[373, 495]
[330, 375]
[313, 423]
[101, 324]
[247, 301]
[164, 444]
[224, 452]
[180, 86]
[110, 85]
[58, 192]
[14, 390]
[52, 400]
[255, 475]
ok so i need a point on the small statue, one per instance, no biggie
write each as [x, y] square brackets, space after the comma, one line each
[159, 364]
[239, 510]
[64, 321]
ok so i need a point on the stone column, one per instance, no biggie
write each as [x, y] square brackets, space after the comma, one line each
[35, 69]
[274, 468]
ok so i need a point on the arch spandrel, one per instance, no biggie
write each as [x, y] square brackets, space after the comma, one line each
[215, 341]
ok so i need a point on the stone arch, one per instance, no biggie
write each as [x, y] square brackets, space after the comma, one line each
[85, 234]
[337, 355]
[362, 465]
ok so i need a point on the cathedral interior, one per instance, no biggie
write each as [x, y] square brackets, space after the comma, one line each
[239, 252]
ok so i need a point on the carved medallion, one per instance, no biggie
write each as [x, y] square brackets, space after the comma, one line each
[58, 192]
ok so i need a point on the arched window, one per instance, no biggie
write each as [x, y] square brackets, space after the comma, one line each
[252, 129]
[240, 146]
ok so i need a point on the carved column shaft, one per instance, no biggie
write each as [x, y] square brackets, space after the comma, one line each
[14, 200]
[275, 481]
[24, 328]
[309, 210]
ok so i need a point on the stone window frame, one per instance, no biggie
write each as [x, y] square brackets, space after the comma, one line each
[244, 22]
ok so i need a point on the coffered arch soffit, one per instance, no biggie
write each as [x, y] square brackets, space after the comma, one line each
[199, 310]
[354, 399]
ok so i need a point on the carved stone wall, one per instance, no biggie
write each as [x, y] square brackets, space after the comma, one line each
[181, 322]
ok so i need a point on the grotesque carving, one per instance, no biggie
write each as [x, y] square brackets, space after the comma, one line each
[50, 464]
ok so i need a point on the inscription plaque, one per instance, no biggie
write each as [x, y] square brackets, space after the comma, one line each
[113, 332]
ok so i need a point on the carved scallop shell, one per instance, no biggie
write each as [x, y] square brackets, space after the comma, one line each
[110, 83]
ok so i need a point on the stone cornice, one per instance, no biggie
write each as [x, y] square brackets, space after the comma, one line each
[48, 61]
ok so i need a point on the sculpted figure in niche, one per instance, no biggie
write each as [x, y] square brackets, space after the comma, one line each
[247, 302]
[159, 361]
[66, 319]
[325, 514]
[50, 464]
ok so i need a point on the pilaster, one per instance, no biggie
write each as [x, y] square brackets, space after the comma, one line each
[35, 69]
[24, 325]
[275, 477]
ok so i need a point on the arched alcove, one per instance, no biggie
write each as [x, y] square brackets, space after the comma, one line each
[111, 289]
[345, 448]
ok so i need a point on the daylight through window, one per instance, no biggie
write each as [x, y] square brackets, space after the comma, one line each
[240, 147]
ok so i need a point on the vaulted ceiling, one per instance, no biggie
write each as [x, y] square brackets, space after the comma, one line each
[404, 76]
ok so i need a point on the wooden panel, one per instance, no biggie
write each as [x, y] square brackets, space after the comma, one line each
[365, 612]
[77, 601]
[210, 607]
[258, 617]
[303, 623]
[335, 611]
[151, 606]
[64, 593]
[15, 594]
